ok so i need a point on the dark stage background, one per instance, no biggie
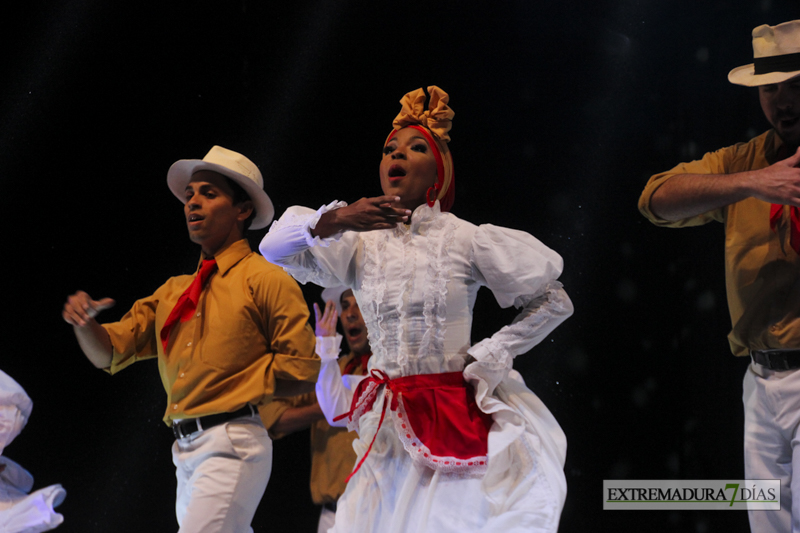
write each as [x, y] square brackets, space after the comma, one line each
[563, 110]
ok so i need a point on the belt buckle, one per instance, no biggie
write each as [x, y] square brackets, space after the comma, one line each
[177, 428]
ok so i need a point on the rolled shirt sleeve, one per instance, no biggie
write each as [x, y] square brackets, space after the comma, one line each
[295, 366]
[133, 337]
[719, 162]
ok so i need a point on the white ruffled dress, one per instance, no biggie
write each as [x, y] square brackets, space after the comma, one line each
[416, 287]
[20, 510]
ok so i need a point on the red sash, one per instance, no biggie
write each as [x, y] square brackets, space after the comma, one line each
[435, 416]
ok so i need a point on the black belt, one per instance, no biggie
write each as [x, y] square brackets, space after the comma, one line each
[778, 359]
[184, 428]
[331, 506]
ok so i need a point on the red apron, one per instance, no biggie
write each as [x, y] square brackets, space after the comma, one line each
[435, 416]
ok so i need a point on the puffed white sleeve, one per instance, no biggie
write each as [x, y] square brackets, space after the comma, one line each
[520, 271]
[326, 262]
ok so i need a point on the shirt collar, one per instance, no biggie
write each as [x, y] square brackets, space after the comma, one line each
[422, 215]
[228, 257]
[773, 145]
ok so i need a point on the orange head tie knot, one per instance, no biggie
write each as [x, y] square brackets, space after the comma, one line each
[435, 123]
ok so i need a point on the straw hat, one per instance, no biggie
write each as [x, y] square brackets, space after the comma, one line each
[231, 165]
[776, 56]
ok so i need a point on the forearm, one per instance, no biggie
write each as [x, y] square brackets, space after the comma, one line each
[537, 319]
[95, 343]
[490, 360]
[688, 195]
[327, 225]
[333, 396]
[297, 418]
[366, 214]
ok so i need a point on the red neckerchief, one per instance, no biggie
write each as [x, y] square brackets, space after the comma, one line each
[775, 215]
[776, 210]
[187, 302]
[356, 361]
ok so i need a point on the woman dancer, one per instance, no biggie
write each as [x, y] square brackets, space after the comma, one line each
[450, 438]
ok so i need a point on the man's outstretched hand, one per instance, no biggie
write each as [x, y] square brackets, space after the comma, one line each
[80, 309]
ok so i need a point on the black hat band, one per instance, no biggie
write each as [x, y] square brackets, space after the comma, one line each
[782, 63]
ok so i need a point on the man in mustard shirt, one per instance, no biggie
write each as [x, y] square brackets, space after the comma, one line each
[332, 454]
[754, 189]
[227, 340]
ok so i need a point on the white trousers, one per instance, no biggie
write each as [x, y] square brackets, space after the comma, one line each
[222, 474]
[771, 444]
[326, 520]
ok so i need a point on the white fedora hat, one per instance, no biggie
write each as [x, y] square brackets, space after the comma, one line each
[776, 56]
[334, 294]
[232, 165]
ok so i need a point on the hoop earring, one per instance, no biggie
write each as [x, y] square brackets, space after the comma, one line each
[435, 190]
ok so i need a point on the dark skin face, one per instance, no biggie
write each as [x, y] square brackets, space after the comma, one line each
[408, 168]
[355, 330]
[781, 105]
[213, 220]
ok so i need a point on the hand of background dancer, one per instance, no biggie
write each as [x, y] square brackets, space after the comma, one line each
[688, 195]
[325, 325]
[366, 214]
[80, 309]
[779, 183]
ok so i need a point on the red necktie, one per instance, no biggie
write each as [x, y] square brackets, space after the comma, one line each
[775, 214]
[187, 303]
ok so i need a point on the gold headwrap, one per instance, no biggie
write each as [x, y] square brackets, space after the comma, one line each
[437, 119]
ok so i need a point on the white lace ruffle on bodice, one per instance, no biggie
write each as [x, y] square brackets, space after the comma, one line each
[416, 285]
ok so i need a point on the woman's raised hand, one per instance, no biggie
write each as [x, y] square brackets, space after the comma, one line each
[366, 214]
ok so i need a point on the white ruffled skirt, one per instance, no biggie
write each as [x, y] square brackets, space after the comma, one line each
[523, 490]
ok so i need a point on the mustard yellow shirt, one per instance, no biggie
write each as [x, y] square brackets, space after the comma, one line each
[332, 455]
[762, 271]
[249, 337]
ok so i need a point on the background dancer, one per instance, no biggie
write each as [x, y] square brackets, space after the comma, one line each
[332, 455]
[754, 189]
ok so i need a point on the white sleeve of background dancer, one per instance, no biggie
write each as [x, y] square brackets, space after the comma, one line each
[334, 391]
